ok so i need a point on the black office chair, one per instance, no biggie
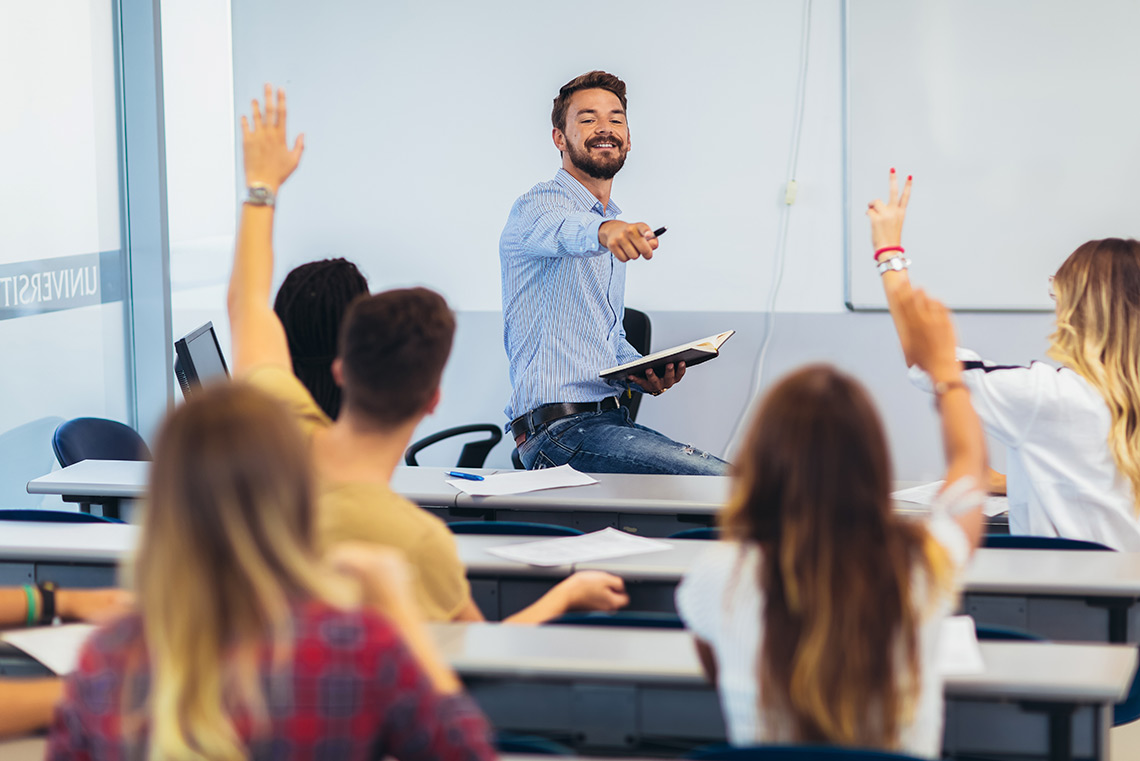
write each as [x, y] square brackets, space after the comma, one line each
[639, 333]
[92, 438]
[473, 454]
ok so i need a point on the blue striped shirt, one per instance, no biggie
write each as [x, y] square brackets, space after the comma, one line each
[563, 297]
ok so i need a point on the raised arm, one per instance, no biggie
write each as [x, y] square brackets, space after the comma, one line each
[886, 239]
[258, 337]
[932, 347]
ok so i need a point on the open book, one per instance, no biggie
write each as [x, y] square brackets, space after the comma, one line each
[691, 354]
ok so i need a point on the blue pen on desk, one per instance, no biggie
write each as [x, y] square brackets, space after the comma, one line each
[466, 476]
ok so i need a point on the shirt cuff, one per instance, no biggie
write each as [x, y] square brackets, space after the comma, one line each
[590, 235]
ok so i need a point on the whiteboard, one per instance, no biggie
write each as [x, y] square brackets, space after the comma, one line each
[424, 121]
[1020, 122]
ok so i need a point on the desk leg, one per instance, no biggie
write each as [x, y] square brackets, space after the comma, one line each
[1060, 729]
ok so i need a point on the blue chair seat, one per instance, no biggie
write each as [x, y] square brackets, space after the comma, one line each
[512, 528]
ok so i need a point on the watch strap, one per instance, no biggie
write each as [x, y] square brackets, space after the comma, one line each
[47, 599]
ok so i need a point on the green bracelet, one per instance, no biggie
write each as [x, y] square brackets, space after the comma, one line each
[32, 617]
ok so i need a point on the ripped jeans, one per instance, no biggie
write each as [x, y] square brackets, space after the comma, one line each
[608, 442]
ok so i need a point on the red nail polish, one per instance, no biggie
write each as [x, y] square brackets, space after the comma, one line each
[892, 170]
[909, 177]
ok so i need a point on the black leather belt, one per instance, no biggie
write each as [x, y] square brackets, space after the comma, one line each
[525, 425]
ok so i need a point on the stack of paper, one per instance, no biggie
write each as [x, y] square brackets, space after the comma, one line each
[958, 650]
[925, 494]
[520, 481]
[567, 550]
[56, 647]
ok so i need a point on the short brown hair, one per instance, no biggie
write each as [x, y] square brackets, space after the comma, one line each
[393, 347]
[592, 80]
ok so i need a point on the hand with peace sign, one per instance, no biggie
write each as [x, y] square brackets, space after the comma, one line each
[887, 218]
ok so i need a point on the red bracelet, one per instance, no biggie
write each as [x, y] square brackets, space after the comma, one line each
[885, 249]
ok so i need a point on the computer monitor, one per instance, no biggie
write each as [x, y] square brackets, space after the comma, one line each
[199, 359]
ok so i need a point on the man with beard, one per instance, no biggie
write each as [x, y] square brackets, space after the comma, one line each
[562, 254]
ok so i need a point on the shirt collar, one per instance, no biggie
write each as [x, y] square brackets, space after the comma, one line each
[584, 196]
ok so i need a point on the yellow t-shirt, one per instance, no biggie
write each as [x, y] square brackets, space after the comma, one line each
[369, 512]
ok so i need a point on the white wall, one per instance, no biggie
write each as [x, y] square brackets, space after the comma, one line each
[424, 121]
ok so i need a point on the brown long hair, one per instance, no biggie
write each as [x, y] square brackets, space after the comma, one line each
[813, 491]
[226, 547]
[1098, 336]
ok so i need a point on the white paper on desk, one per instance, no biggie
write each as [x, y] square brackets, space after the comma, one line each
[521, 481]
[56, 647]
[567, 550]
[958, 650]
[925, 494]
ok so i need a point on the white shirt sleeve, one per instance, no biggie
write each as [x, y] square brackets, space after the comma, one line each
[700, 595]
[1007, 398]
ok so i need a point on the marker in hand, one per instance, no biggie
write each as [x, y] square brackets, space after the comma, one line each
[464, 476]
[659, 232]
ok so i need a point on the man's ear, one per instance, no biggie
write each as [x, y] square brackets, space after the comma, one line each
[559, 139]
[338, 372]
[429, 408]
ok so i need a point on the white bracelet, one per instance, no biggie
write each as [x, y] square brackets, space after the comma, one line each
[893, 264]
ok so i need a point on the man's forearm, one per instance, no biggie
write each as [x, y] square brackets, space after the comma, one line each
[28, 704]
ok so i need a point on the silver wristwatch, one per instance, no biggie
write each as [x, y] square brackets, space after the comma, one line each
[260, 195]
[894, 264]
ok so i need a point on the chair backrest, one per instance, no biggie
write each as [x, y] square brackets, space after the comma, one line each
[1004, 634]
[701, 532]
[513, 528]
[92, 438]
[794, 753]
[1019, 542]
[639, 333]
[53, 516]
[643, 619]
[473, 454]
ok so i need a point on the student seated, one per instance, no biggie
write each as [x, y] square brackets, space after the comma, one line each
[245, 645]
[1072, 433]
[26, 704]
[392, 350]
[311, 303]
[820, 612]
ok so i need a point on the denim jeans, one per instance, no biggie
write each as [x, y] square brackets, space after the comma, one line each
[608, 442]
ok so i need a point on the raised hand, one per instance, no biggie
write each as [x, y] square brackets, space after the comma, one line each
[931, 335]
[887, 218]
[627, 240]
[268, 158]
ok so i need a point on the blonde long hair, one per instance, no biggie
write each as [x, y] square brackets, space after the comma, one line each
[1098, 336]
[226, 549]
[838, 569]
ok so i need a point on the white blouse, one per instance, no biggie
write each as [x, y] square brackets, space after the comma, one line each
[720, 601]
[1062, 479]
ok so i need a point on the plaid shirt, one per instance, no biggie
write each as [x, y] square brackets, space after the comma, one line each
[352, 691]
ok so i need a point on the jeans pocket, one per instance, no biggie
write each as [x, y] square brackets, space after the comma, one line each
[542, 461]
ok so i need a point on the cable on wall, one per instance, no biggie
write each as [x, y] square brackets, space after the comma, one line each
[790, 189]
